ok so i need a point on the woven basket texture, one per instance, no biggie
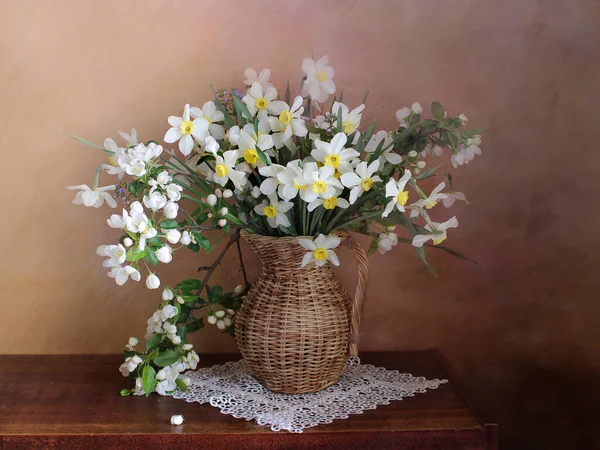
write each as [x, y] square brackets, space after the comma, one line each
[293, 326]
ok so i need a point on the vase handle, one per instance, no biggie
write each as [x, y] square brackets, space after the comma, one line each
[359, 294]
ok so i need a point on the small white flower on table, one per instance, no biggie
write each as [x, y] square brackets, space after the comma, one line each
[176, 419]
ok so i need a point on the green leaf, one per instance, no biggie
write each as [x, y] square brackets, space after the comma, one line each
[135, 254]
[227, 120]
[373, 247]
[414, 119]
[202, 241]
[262, 156]
[437, 110]
[365, 97]
[427, 173]
[287, 92]
[452, 252]
[378, 152]
[153, 341]
[86, 142]
[474, 131]
[420, 250]
[241, 107]
[362, 143]
[181, 385]
[404, 134]
[339, 119]
[125, 392]
[169, 225]
[152, 257]
[191, 284]
[166, 358]
[195, 326]
[148, 379]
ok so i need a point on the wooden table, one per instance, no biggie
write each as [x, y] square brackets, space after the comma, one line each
[72, 401]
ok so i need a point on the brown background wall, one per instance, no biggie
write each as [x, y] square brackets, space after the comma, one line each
[522, 326]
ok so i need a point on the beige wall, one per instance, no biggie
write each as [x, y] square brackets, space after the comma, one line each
[522, 325]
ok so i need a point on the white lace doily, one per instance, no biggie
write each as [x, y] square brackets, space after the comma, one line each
[234, 390]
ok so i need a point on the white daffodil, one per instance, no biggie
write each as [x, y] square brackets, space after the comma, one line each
[275, 211]
[451, 197]
[321, 182]
[93, 197]
[270, 183]
[350, 119]
[288, 179]
[361, 181]
[184, 130]
[247, 149]
[321, 250]
[388, 155]
[333, 154]
[428, 202]
[396, 191]
[262, 101]
[211, 114]
[289, 123]
[262, 78]
[438, 232]
[123, 274]
[386, 242]
[319, 78]
[225, 170]
[131, 139]
[328, 203]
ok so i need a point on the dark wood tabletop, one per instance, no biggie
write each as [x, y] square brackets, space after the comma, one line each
[72, 401]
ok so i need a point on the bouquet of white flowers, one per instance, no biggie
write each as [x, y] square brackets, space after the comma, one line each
[267, 164]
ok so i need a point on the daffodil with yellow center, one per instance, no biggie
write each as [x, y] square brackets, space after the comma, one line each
[250, 156]
[438, 232]
[367, 184]
[361, 179]
[319, 187]
[285, 117]
[270, 211]
[186, 127]
[320, 254]
[349, 126]
[429, 202]
[261, 103]
[321, 76]
[439, 241]
[330, 203]
[395, 190]
[402, 198]
[333, 161]
[221, 170]
[299, 186]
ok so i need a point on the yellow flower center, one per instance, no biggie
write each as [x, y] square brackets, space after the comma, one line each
[111, 160]
[367, 184]
[321, 76]
[207, 119]
[402, 198]
[320, 254]
[330, 203]
[319, 187]
[186, 127]
[430, 204]
[221, 170]
[439, 241]
[332, 160]
[261, 103]
[270, 211]
[285, 117]
[349, 127]
[337, 174]
[250, 156]
[299, 186]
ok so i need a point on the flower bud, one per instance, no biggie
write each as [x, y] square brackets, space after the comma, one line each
[180, 300]
[187, 346]
[211, 199]
[416, 108]
[222, 222]
[239, 289]
[210, 216]
[211, 319]
[171, 209]
[421, 164]
[167, 295]
[224, 211]
[218, 193]
[227, 321]
[255, 192]
[220, 314]
[227, 193]
[127, 242]
[463, 119]
[152, 282]
[133, 341]
[177, 419]
[173, 236]
[220, 325]
[230, 312]
[164, 255]
[412, 154]
[185, 238]
[176, 340]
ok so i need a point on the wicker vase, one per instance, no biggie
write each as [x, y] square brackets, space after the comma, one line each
[297, 326]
